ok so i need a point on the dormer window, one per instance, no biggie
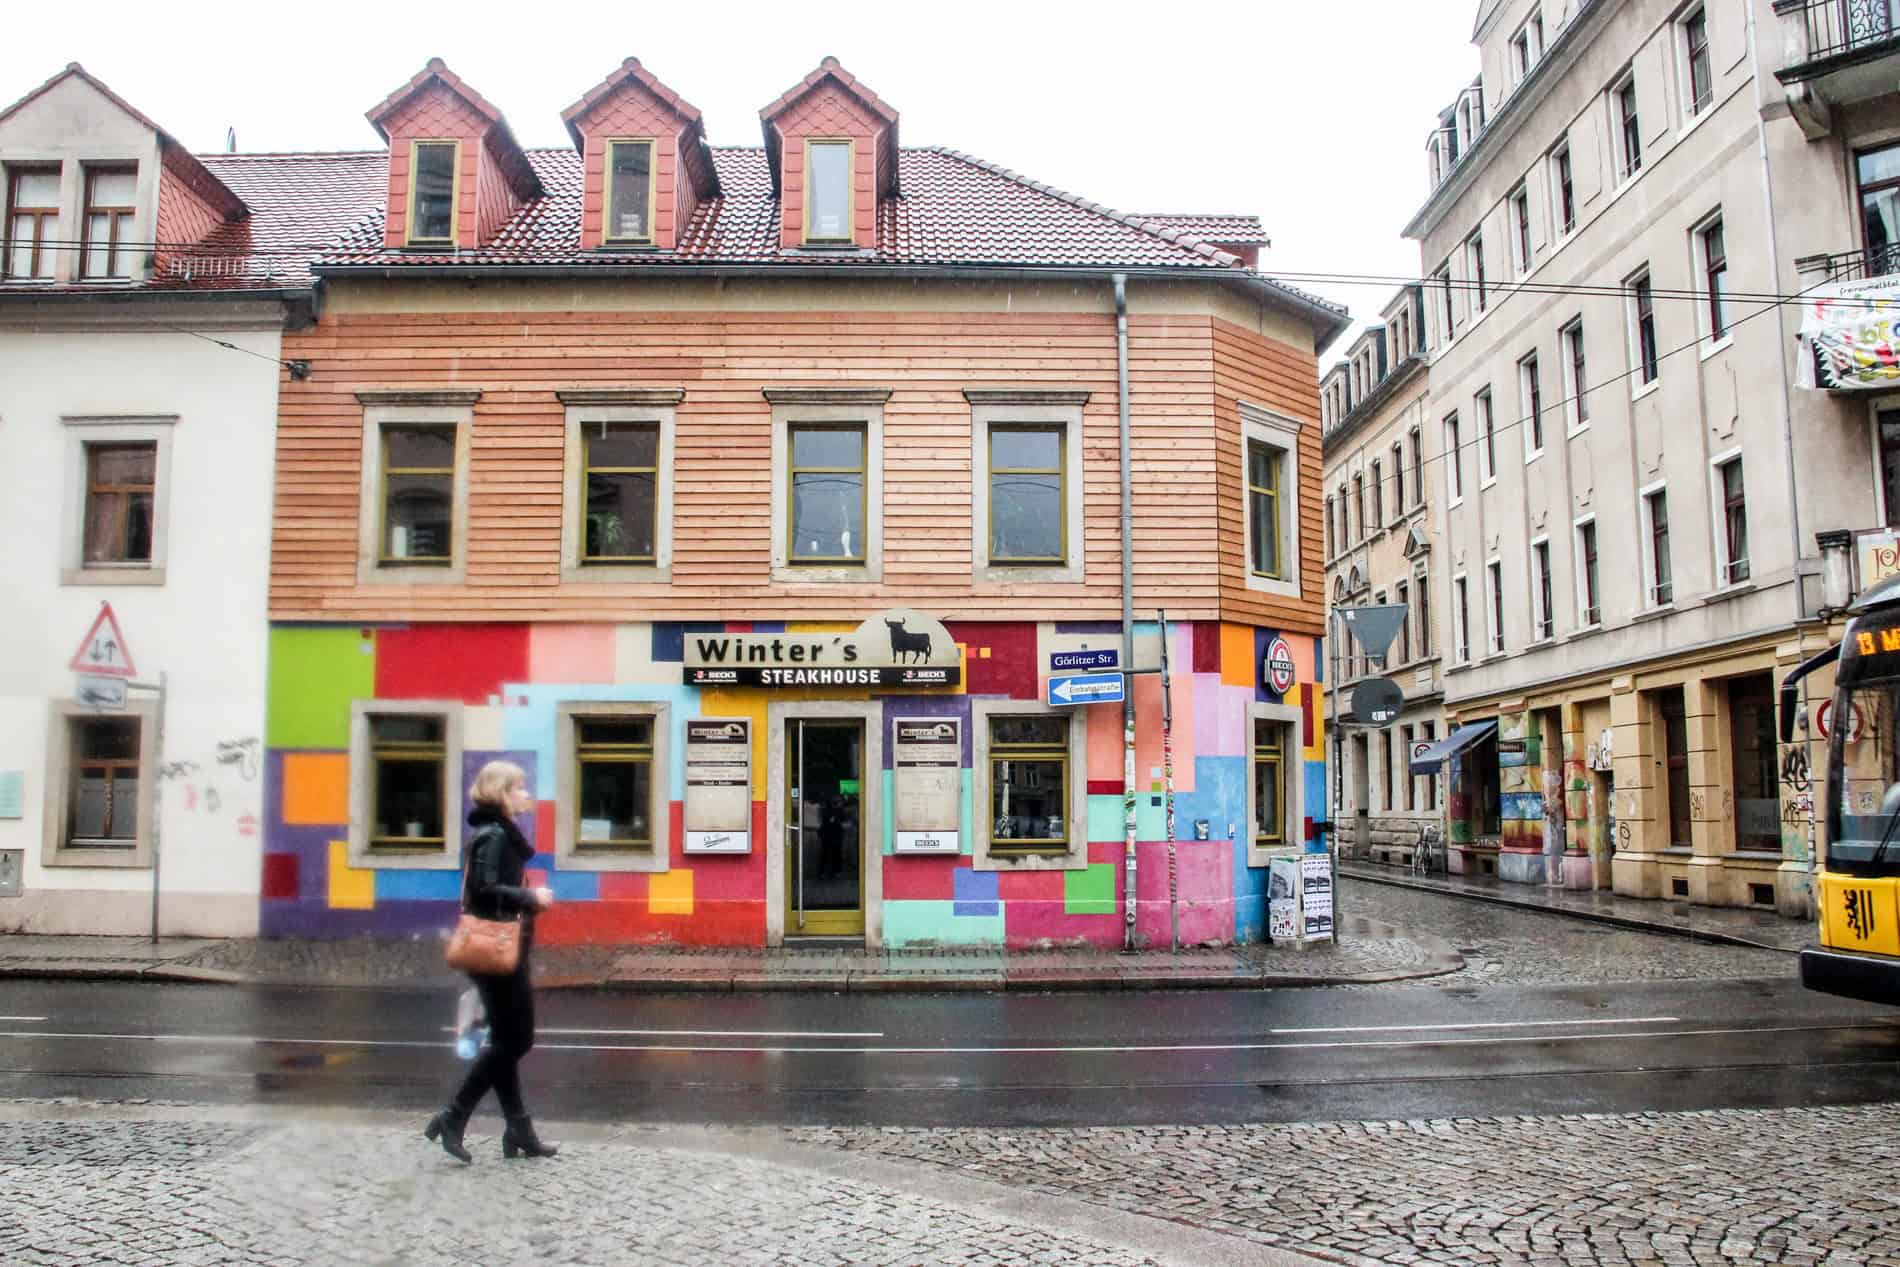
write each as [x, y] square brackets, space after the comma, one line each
[32, 212]
[828, 200]
[111, 203]
[630, 191]
[433, 167]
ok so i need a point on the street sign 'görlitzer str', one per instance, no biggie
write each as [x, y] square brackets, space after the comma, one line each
[1083, 661]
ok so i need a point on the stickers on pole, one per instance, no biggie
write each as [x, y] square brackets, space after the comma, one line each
[718, 809]
[927, 784]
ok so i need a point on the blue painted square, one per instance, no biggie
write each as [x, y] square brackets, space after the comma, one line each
[974, 892]
[669, 637]
[418, 886]
[575, 886]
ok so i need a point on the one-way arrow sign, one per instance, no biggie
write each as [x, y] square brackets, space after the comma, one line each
[1086, 688]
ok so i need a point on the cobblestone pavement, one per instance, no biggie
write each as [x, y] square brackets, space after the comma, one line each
[1794, 1187]
[1505, 946]
[169, 1192]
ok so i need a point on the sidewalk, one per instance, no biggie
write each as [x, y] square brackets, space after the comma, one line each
[1725, 925]
[1367, 953]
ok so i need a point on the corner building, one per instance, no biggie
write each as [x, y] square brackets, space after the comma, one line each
[743, 496]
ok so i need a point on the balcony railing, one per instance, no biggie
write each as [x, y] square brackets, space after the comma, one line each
[1834, 27]
[1851, 266]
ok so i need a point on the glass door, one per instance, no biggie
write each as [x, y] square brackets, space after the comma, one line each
[824, 828]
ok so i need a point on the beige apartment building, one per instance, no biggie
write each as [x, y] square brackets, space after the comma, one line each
[1642, 516]
[1375, 417]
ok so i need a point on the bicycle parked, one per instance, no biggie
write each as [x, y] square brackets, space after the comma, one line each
[1428, 855]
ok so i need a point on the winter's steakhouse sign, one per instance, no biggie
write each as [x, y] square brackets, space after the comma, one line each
[899, 647]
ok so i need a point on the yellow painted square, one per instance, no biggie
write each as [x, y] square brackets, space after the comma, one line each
[983, 653]
[351, 888]
[316, 789]
[670, 893]
[1237, 667]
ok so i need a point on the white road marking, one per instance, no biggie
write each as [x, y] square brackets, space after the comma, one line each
[680, 1033]
[23, 1020]
[1398, 1029]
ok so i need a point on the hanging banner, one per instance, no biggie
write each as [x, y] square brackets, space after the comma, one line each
[718, 809]
[1851, 327]
[899, 647]
[927, 779]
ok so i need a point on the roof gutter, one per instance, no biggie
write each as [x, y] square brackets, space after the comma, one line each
[1327, 323]
[299, 302]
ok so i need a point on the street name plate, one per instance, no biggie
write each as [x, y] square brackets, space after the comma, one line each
[1086, 688]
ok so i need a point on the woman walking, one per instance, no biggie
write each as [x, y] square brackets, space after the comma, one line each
[493, 866]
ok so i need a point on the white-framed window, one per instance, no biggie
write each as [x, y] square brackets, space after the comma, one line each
[1519, 204]
[1494, 605]
[1698, 79]
[1521, 57]
[1332, 536]
[1402, 596]
[1731, 519]
[1645, 357]
[406, 795]
[1474, 268]
[1378, 493]
[1345, 520]
[1626, 133]
[101, 800]
[1270, 446]
[1576, 377]
[827, 483]
[1461, 618]
[115, 526]
[1487, 438]
[1026, 448]
[1711, 257]
[1359, 507]
[1276, 792]
[1422, 586]
[1659, 582]
[1454, 461]
[617, 515]
[413, 514]
[1417, 440]
[1031, 788]
[612, 807]
[1589, 586]
[1563, 190]
[1398, 480]
[1447, 312]
[1543, 618]
[1530, 395]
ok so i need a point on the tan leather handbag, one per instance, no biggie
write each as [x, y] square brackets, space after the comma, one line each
[485, 947]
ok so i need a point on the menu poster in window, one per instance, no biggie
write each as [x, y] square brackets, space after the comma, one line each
[1316, 895]
[927, 774]
[718, 808]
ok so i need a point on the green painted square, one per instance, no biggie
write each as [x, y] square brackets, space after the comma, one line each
[1091, 891]
[1151, 815]
[314, 676]
[935, 923]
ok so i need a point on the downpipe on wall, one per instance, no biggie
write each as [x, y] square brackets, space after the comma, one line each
[1128, 616]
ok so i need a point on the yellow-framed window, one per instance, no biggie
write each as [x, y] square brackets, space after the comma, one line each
[1029, 522]
[830, 199]
[1029, 783]
[1269, 784]
[1265, 527]
[620, 472]
[826, 505]
[435, 181]
[631, 193]
[613, 778]
[418, 493]
[408, 753]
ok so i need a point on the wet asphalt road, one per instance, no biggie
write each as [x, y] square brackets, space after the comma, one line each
[1121, 1058]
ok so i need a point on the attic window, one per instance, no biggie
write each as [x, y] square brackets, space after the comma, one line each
[432, 167]
[828, 209]
[111, 202]
[630, 177]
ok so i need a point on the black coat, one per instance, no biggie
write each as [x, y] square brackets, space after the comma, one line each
[494, 866]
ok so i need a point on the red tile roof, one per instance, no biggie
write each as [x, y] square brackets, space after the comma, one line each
[1224, 230]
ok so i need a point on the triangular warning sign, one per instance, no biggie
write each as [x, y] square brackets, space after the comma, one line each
[103, 650]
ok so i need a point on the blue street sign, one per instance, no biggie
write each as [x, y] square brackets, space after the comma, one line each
[1086, 688]
[1077, 661]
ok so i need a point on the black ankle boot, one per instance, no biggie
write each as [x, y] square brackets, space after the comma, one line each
[447, 1126]
[520, 1139]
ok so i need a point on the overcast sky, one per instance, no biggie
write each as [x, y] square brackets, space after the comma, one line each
[1311, 115]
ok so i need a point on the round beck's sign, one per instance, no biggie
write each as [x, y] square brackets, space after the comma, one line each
[1277, 668]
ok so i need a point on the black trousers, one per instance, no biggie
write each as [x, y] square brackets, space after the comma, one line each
[509, 1004]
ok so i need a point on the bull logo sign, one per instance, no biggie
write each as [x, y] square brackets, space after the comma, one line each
[898, 647]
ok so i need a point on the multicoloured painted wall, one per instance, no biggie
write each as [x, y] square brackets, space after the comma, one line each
[510, 679]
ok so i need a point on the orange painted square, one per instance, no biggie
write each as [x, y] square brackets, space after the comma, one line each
[316, 789]
[1236, 656]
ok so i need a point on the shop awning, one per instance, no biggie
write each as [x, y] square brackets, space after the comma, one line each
[1435, 755]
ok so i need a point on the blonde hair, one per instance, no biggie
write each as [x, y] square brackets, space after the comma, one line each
[492, 784]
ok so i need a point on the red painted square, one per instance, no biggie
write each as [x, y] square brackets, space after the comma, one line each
[623, 886]
[920, 879]
[1010, 669]
[464, 662]
[1206, 647]
[1029, 886]
[280, 875]
[740, 877]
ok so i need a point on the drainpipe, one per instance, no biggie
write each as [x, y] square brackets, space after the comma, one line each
[1787, 416]
[1128, 617]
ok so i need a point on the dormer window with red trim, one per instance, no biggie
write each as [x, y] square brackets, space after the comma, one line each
[631, 195]
[435, 168]
[32, 213]
[829, 169]
[111, 205]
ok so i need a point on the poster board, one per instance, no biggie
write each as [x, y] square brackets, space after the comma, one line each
[927, 779]
[718, 810]
[1283, 899]
[1316, 896]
